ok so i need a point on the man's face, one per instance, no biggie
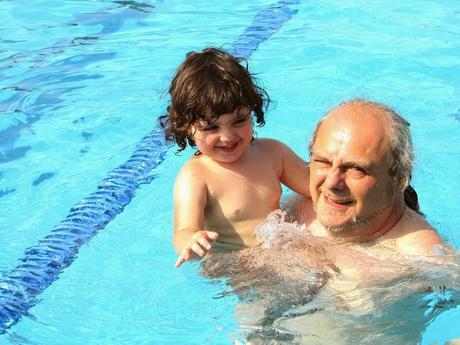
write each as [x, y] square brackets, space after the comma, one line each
[349, 175]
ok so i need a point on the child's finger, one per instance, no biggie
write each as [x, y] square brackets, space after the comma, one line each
[184, 257]
[180, 260]
[197, 249]
[204, 243]
[212, 235]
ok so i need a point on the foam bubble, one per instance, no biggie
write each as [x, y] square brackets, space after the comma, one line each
[275, 231]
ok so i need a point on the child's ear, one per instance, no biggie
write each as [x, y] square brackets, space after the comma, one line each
[191, 131]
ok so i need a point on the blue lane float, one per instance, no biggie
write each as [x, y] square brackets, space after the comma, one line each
[266, 23]
[43, 262]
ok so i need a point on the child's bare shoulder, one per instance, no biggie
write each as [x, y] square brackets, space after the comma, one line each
[273, 149]
[271, 144]
[193, 169]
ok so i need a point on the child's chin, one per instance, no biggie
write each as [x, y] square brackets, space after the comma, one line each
[229, 159]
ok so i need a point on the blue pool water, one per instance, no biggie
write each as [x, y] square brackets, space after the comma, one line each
[85, 178]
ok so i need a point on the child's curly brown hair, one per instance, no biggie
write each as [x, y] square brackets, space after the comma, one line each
[207, 85]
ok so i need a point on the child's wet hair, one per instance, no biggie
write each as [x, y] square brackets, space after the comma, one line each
[207, 85]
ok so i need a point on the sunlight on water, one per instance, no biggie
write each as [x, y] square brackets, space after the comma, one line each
[83, 81]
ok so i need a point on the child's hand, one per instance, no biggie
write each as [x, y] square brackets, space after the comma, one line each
[199, 245]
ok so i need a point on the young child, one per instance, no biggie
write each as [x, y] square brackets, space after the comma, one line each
[234, 180]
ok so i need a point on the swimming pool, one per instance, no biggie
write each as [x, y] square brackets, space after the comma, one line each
[82, 84]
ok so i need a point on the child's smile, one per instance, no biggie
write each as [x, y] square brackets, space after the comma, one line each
[228, 148]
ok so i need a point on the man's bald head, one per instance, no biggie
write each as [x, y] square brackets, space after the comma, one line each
[381, 120]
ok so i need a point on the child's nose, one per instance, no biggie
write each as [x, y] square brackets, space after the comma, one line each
[227, 134]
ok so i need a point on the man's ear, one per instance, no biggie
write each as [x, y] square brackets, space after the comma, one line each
[399, 184]
[398, 189]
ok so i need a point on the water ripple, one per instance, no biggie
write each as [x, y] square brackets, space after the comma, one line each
[43, 262]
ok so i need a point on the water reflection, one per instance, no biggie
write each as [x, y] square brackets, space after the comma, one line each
[42, 86]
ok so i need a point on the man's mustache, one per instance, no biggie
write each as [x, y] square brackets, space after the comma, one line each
[341, 198]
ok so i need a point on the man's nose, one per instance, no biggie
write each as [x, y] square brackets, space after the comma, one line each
[335, 179]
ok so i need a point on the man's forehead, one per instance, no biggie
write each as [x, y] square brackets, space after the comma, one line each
[354, 136]
[356, 117]
[347, 159]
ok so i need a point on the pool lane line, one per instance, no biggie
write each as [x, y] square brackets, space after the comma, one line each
[266, 23]
[44, 261]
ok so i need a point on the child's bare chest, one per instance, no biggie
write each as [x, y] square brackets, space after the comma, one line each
[242, 194]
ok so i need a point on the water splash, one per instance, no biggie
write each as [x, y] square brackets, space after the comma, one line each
[275, 231]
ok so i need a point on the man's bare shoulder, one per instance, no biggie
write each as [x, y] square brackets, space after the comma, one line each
[414, 235]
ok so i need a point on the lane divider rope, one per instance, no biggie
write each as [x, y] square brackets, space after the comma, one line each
[43, 262]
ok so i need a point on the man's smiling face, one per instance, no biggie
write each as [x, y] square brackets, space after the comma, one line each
[350, 182]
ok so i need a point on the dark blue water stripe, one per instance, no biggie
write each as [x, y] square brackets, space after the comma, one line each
[43, 262]
[456, 115]
[265, 24]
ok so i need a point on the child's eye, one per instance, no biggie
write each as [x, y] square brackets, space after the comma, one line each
[241, 120]
[210, 128]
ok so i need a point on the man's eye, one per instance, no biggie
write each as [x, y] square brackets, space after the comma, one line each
[357, 171]
[319, 162]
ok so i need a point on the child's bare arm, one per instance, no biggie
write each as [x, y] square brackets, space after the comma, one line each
[295, 171]
[190, 239]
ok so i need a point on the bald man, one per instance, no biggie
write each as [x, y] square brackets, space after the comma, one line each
[361, 163]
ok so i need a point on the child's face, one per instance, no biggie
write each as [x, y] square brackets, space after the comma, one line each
[226, 139]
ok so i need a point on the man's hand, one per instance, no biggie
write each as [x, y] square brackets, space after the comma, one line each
[199, 245]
